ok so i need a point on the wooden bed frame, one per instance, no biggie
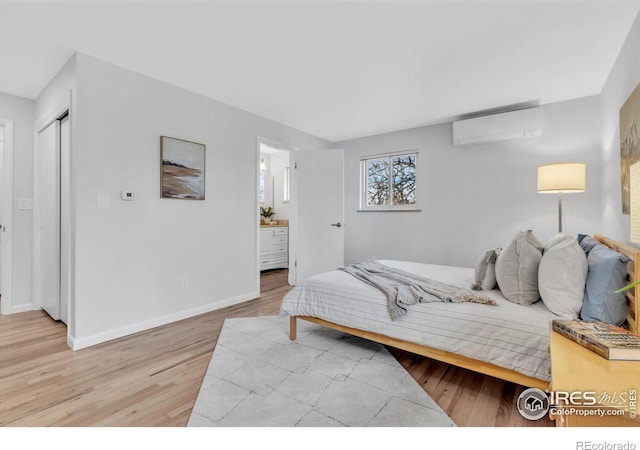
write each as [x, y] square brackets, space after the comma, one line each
[633, 274]
[633, 271]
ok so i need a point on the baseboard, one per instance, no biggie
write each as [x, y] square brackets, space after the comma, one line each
[88, 341]
[15, 309]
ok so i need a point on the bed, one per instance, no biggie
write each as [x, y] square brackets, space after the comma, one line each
[507, 341]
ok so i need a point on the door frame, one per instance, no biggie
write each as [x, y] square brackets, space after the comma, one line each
[292, 205]
[6, 203]
[65, 269]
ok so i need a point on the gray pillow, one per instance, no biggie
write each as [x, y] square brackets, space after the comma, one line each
[517, 269]
[587, 243]
[485, 277]
[561, 277]
[607, 273]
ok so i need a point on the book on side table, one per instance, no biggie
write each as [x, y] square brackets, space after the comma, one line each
[608, 341]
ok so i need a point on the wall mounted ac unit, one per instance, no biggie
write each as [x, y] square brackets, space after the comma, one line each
[520, 124]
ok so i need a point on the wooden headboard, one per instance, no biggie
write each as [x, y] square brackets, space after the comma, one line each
[633, 274]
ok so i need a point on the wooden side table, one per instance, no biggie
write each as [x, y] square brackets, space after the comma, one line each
[614, 384]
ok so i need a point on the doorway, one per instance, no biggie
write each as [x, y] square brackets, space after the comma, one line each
[315, 208]
[52, 218]
[274, 236]
[6, 216]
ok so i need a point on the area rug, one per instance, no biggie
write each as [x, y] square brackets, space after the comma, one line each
[257, 377]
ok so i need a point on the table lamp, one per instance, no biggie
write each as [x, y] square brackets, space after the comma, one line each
[561, 178]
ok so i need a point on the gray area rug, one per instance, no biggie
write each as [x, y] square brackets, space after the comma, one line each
[257, 377]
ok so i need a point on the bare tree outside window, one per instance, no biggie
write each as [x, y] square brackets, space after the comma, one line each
[404, 180]
[377, 182]
[389, 181]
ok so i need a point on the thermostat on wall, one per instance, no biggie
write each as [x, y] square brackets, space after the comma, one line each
[128, 195]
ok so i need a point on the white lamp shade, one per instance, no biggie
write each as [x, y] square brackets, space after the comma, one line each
[562, 177]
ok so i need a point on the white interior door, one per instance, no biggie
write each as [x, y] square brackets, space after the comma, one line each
[6, 214]
[320, 211]
[49, 213]
[2, 209]
[65, 232]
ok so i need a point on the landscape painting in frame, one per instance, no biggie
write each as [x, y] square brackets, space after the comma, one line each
[629, 145]
[182, 170]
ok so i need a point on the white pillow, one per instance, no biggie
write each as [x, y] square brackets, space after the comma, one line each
[485, 276]
[517, 269]
[562, 276]
[553, 241]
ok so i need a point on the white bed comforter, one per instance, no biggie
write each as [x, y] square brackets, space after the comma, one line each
[508, 335]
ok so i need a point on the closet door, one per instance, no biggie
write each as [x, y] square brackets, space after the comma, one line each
[65, 215]
[48, 196]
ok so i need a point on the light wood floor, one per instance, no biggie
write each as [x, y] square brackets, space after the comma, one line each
[152, 378]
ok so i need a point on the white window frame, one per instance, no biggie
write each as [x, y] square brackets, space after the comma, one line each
[363, 183]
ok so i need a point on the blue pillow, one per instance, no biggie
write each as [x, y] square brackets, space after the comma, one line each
[587, 243]
[607, 273]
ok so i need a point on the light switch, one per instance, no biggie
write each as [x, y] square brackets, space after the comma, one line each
[25, 203]
[103, 200]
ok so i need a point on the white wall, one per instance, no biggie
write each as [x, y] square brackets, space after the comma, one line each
[622, 80]
[477, 197]
[56, 96]
[279, 161]
[131, 257]
[21, 111]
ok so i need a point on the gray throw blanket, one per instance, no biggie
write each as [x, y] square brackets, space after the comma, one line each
[403, 288]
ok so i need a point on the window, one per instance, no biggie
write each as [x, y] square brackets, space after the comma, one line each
[388, 182]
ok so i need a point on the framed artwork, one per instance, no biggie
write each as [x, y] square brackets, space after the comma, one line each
[629, 146]
[182, 169]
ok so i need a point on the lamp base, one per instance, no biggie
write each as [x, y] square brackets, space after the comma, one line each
[560, 214]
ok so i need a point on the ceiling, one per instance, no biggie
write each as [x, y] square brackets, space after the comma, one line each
[339, 69]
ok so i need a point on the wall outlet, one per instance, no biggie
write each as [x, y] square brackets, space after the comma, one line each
[103, 200]
[184, 282]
